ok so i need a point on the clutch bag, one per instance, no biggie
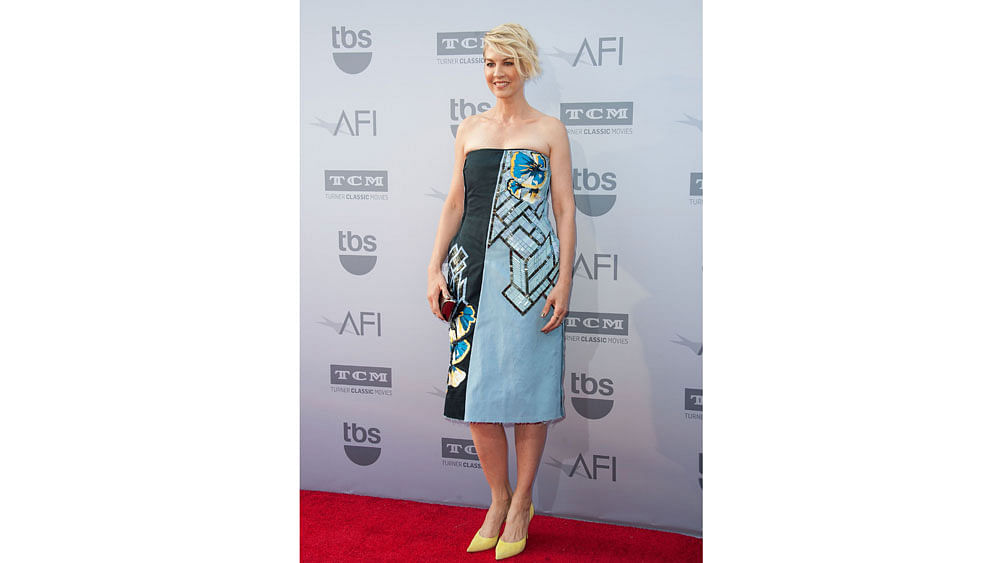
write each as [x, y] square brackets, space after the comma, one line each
[450, 307]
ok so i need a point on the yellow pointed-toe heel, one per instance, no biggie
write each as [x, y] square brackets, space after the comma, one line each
[510, 549]
[481, 543]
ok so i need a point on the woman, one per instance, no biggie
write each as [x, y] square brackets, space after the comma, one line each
[511, 274]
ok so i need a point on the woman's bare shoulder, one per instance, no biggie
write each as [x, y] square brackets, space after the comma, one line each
[474, 123]
[470, 122]
[553, 129]
[467, 129]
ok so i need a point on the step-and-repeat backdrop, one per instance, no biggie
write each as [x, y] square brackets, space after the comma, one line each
[384, 86]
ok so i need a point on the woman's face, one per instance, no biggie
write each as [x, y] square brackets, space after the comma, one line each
[501, 74]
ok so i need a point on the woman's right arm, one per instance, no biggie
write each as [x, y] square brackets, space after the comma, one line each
[451, 218]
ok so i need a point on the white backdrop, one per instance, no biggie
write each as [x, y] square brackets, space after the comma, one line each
[383, 87]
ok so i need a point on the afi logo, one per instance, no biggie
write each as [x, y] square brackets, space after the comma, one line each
[357, 434]
[605, 45]
[594, 193]
[363, 119]
[591, 270]
[358, 326]
[589, 406]
[345, 38]
[350, 244]
[597, 463]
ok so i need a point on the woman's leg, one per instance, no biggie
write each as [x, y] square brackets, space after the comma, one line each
[529, 441]
[491, 446]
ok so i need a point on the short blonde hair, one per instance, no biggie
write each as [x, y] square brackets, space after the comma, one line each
[512, 40]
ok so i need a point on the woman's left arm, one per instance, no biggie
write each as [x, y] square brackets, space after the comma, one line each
[564, 211]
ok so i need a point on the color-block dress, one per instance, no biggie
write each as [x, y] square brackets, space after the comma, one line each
[502, 264]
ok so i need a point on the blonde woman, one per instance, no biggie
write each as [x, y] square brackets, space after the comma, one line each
[509, 272]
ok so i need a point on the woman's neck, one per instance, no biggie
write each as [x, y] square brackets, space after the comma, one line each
[515, 108]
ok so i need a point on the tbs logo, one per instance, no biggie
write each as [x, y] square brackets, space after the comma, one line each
[351, 245]
[364, 454]
[594, 192]
[591, 406]
[345, 38]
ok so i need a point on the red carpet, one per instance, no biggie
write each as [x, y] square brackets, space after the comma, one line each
[341, 527]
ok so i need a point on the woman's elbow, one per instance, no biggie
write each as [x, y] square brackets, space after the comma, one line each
[565, 214]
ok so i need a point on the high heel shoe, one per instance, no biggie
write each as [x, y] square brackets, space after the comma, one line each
[482, 543]
[509, 549]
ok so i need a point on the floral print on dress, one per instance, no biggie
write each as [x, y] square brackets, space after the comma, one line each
[455, 376]
[460, 347]
[529, 172]
[463, 322]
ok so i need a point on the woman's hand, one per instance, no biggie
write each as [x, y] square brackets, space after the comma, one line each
[558, 299]
[436, 286]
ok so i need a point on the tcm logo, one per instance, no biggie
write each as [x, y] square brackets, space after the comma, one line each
[591, 405]
[696, 184]
[605, 49]
[364, 454]
[597, 463]
[362, 121]
[460, 109]
[597, 323]
[356, 180]
[362, 324]
[458, 448]
[364, 376]
[345, 38]
[594, 192]
[351, 245]
[596, 113]
[460, 43]
[591, 269]
[692, 400]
